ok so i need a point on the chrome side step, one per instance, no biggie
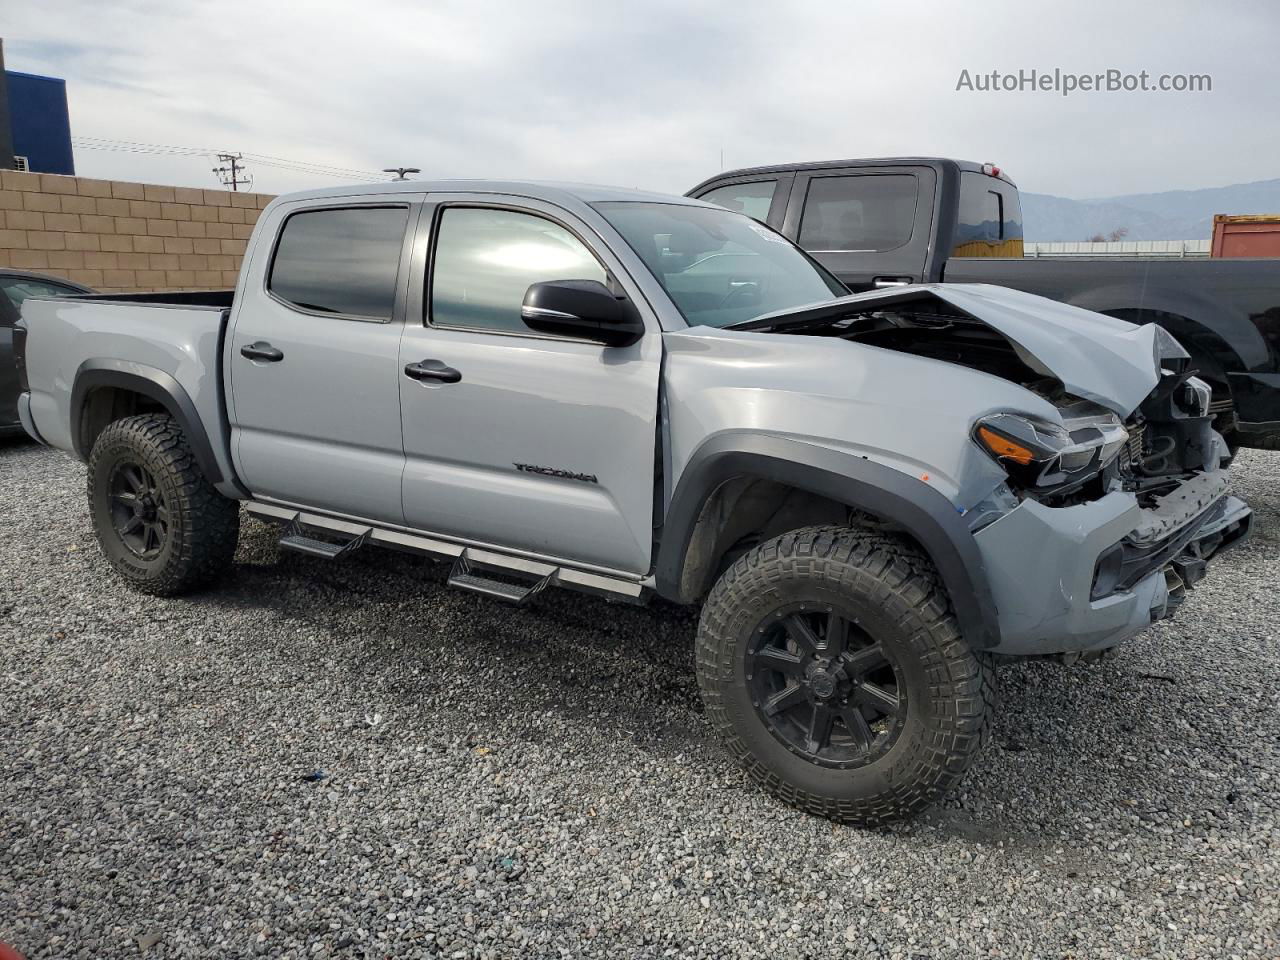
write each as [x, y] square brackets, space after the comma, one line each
[468, 561]
[465, 578]
[297, 539]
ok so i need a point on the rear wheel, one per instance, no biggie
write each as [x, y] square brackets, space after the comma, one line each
[830, 660]
[160, 523]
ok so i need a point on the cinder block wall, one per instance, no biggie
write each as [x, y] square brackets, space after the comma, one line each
[122, 237]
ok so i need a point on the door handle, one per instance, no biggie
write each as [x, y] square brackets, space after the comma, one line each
[262, 351]
[893, 281]
[432, 370]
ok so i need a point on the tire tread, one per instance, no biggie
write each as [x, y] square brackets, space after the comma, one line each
[209, 523]
[877, 568]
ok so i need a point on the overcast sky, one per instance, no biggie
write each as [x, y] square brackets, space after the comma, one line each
[658, 94]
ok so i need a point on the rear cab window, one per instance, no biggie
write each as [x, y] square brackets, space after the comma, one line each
[340, 261]
[988, 218]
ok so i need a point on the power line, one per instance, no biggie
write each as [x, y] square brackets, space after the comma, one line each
[130, 146]
[266, 160]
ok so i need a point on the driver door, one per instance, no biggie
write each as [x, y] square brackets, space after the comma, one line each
[538, 444]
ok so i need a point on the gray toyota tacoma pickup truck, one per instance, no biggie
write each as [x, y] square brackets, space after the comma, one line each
[871, 496]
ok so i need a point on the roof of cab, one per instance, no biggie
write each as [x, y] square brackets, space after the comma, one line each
[561, 194]
[967, 166]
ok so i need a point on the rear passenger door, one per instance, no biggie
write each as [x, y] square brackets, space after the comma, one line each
[533, 443]
[311, 359]
[870, 226]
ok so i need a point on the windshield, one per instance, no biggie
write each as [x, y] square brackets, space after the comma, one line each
[720, 267]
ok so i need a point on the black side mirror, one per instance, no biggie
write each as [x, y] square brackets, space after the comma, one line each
[585, 309]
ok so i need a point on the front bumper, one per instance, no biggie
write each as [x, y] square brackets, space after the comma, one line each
[1044, 567]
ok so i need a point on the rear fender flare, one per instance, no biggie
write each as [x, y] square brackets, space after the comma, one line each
[153, 384]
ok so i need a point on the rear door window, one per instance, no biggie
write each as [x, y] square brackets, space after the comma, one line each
[867, 213]
[753, 199]
[342, 262]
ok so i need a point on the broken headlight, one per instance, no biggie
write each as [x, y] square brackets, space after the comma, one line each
[1040, 454]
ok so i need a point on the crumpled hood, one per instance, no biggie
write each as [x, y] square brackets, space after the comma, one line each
[1111, 362]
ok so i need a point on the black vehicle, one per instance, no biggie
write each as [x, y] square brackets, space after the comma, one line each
[877, 223]
[16, 286]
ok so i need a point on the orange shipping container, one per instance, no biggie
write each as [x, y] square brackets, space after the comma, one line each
[1246, 236]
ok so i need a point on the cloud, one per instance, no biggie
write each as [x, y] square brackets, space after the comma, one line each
[654, 94]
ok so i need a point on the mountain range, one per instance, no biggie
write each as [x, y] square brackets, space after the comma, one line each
[1171, 215]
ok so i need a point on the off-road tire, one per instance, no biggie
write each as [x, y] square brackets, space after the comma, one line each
[202, 528]
[902, 604]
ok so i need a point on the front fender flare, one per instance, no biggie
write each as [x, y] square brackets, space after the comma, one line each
[155, 385]
[924, 513]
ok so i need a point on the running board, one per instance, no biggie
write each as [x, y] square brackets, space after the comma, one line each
[541, 574]
[465, 578]
[297, 539]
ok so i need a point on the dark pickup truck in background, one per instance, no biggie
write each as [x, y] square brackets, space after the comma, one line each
[877, 223]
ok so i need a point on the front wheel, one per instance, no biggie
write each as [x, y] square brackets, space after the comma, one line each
[832, 664]
[160, 523]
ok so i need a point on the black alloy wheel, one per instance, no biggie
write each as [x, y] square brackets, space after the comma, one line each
[163, 527]
[823, 687]
[139, 512]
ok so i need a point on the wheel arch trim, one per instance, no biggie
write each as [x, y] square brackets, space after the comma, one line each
[154, 384]
[922, 511]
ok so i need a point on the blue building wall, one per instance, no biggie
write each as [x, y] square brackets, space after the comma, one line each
[40, 123]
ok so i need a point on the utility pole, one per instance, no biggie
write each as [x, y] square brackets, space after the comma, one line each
[400, 172]
[232, 173]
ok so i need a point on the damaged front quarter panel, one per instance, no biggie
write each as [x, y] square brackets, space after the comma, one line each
[910, 413]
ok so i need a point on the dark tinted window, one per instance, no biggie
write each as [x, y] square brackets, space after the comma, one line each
[989, 218]
[485, 261]
[340, 261]
[867, 213]
[753, 199]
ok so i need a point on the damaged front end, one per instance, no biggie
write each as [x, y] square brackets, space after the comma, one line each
[1166, 456]
[1176, 466]
[1109, 511]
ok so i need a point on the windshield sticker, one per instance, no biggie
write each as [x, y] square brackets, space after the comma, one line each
[767, 233]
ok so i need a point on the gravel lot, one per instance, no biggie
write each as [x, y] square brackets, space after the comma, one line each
[350, 760]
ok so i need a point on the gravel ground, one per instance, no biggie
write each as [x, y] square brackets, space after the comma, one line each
[350, 760]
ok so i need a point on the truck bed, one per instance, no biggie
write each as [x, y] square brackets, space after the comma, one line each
[162, 344]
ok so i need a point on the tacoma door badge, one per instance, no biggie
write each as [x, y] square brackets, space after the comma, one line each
[556, 472]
